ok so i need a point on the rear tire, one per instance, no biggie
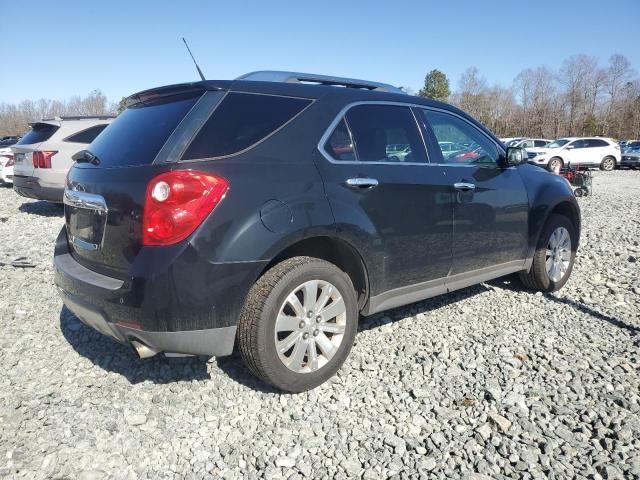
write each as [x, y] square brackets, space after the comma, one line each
[539, 277]
[555, 161]
[608, 164]
[272, 319]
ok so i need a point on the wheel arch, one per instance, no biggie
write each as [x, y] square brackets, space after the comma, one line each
[335, 250]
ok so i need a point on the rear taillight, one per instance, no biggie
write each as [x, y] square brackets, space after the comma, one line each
[177, 202]
[11, 162]
[42, 159]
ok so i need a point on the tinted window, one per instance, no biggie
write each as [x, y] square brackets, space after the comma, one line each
[472, 146]
[340, 146]
[40, 132]
[578, 144]
[385, 133]
[595, 142]
[540, 143]
[240, 121]
[86, 136]
[138, 134]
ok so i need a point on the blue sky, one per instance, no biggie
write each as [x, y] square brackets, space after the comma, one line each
[59, 49]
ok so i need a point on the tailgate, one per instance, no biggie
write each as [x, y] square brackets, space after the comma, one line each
[104, 200]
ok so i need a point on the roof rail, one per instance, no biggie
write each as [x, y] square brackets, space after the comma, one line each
[297, 77]
[78, 117]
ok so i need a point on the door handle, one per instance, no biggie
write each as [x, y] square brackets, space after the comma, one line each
[363, 183]
[464, 186]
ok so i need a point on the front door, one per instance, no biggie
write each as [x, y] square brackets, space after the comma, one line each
[491, 203]
[386, 198]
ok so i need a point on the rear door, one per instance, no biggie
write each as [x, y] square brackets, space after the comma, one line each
[491, 204]
[598, 149]
[23, 150]
[397, 209]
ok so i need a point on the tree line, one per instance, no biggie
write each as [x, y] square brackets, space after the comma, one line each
[582, 98]
[14, 118]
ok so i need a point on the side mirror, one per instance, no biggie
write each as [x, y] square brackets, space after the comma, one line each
[515, 156]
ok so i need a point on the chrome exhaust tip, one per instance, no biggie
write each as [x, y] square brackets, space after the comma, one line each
[143, 350]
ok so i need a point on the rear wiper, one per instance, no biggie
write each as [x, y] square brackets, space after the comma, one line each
[85, 156]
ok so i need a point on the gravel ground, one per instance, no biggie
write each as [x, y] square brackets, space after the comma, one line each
[487, 382]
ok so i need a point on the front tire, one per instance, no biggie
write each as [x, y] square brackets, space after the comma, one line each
[555, 162]
[298, 323]
[554, 256]
[608, 164]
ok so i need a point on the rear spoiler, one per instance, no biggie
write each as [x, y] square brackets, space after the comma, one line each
[180, 88]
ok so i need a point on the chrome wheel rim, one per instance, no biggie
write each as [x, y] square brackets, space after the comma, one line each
[558, 255]
[310, 326]
[608, 164]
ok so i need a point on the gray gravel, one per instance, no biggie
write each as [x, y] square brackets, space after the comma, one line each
[488, 382]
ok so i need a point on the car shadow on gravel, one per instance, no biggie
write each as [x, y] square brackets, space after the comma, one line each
[508, 283]
[424, 306]
[42, 208]
[117, 358]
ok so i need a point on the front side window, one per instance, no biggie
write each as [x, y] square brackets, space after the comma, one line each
[540, 143]
[472, 146]
[241, 121]
[578, 144]
[526, 144]
[385, 133]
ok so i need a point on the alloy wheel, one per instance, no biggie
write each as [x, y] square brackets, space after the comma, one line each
[310, 326]
[608, 164]
[558, 255]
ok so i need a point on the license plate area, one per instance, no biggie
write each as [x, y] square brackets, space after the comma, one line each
[86, 217]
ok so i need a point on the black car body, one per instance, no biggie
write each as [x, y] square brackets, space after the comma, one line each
[631, 156]
[290, 179]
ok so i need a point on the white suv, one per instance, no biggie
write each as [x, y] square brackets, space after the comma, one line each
[43, 155]
[585, 151]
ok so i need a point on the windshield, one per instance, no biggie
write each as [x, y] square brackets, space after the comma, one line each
[632, 149]
[138, 134]
[558, 143]
[40, 132]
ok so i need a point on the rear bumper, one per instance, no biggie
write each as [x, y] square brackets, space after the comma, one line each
[215, 342]
[165, 308]
[30, 187]
[630, 162]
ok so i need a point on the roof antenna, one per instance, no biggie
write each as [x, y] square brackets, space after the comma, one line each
[194, 60]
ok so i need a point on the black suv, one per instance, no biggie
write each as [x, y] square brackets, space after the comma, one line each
[271, 211]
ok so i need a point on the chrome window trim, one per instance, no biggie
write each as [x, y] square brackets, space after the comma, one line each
[341, 114]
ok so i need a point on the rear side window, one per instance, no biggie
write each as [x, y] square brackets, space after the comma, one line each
[241, 121]
[385, 133]
[595, 142]
[138, 134]
[40, 132]
[86, 136]
[340, 146]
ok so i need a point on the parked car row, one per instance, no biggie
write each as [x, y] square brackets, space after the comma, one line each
[600, 152]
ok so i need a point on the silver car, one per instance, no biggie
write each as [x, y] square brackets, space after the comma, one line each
[43, 155]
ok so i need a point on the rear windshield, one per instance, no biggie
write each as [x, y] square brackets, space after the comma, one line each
[40, 132]
[138, 134]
